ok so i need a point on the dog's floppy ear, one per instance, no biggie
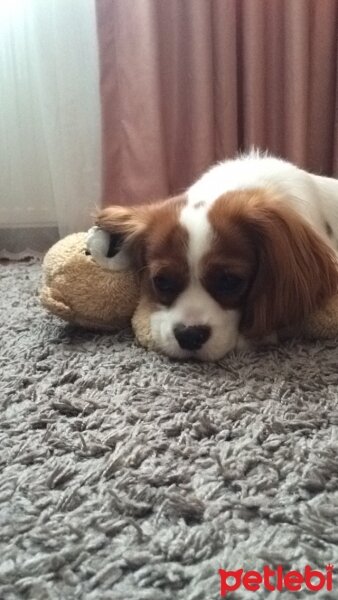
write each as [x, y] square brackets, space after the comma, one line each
[126, 221]
[128, 226]
[296, 270]
[131, 225]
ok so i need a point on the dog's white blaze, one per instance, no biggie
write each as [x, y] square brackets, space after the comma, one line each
[195, 221]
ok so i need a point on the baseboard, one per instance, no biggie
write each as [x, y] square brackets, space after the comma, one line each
[17, 243]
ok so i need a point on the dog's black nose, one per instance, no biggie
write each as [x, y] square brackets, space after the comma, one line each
[192, 337]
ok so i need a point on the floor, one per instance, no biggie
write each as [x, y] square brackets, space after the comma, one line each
[128, 475]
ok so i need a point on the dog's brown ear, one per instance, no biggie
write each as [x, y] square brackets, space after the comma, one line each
[130, 225]
[129, 222]
[296, 270]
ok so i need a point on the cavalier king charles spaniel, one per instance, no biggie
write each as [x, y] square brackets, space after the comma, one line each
[247, 250]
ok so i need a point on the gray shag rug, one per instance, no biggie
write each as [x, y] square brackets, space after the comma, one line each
[125, 475]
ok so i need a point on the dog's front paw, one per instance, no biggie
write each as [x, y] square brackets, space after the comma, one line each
[106, 249]
[97, 243]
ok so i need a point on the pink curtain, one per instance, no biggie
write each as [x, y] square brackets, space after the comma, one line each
[187, 82]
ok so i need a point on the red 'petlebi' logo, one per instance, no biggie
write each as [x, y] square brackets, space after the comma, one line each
[272, 580]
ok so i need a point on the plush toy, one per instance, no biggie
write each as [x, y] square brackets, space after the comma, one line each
[86, 282]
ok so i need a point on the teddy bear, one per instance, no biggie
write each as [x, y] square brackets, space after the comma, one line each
[87, 282]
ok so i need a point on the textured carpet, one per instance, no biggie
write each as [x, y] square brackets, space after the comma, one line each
[125, 475]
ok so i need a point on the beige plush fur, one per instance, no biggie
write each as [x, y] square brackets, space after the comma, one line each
[323, 324]
[78, 290]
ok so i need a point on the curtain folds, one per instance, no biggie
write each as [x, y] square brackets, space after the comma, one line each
[187, 82]
[50, 122]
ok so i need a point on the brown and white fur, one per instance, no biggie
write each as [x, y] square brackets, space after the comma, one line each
[248, 249]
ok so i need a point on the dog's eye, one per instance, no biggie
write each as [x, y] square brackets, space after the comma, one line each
[227, 284]
[164, 284]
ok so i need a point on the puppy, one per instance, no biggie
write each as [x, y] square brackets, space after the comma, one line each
[247, 250]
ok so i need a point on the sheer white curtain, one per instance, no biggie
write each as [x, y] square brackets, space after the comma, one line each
[50, 146]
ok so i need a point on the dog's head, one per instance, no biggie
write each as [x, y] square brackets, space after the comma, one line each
[243, 264]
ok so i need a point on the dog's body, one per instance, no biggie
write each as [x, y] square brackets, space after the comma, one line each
[314, 197]
[248, 249]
